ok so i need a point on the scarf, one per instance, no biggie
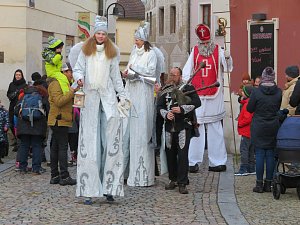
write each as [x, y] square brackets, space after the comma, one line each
[140, 51]
[98, 69]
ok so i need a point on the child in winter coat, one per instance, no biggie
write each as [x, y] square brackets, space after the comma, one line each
[53, 62]
[4, 125]
[246, 148]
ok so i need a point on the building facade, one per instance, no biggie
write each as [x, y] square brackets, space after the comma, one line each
[173, 31]
[26, 26]
[169, 30]
[286, 34]
[126, 28]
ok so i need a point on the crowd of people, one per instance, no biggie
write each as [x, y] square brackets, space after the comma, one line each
[129, 114]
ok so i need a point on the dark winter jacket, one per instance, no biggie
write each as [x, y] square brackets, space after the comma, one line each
[13, 93]
[182, 120]
[264, 102]
[295, 98]
[39, 126]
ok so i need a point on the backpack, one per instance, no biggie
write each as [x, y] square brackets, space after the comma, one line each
[32, 107]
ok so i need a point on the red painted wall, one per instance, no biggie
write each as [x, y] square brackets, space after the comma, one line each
[288, 34]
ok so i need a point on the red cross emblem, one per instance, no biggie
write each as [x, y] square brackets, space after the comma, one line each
[207, 67]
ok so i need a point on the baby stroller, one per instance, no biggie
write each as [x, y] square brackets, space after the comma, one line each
[287, 151]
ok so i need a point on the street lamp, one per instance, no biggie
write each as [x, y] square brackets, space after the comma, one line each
[116, 12]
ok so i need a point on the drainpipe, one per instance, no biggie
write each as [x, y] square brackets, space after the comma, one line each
[100, 8]
[188, 46]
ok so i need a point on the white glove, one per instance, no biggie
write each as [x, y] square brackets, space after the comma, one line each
[227, 54]
[123, 107]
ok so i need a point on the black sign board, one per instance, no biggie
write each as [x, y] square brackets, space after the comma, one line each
[261, 48]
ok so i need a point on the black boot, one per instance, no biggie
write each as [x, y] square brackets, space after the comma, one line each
[259, 187]
[267, 185]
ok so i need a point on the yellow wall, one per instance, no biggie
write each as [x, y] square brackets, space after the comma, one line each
[125, 30]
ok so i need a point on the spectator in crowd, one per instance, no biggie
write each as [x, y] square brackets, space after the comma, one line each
[264, 103]
[4, 126]
[257, 81]
[246, 148]
[292, 76]
[73, 133]
[60, 119]
[14, 88]
[31, 127]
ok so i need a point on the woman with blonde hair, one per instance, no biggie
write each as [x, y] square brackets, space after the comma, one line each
[100, 157]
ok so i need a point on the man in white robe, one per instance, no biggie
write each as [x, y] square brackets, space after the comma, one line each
[212, 110]
[137, 140]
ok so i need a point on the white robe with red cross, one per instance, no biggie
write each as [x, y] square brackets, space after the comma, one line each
[212, 100]
[212, 110]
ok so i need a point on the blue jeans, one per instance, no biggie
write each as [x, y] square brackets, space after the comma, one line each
[35, 142]
[264, 156]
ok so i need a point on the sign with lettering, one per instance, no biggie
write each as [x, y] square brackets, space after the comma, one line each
[261, 47]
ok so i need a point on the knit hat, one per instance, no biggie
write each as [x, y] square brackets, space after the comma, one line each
[36, 76]
[247, 89]
[54, 43]
[268, 75]
[100, 24]
[292, 71]
[143, 31]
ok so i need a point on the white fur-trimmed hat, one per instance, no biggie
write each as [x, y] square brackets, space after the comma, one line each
[143, 31]
[100, 24]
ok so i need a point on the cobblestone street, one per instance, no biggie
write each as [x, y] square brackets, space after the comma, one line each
[29, 199]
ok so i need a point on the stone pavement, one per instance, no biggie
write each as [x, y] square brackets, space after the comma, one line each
[29, 199]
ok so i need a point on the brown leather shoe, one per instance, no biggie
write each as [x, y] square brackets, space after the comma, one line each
[170, 186]
[183, 189]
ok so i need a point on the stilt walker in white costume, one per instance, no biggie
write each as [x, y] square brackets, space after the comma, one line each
[137, 140]
[212, 110]
[100, 155]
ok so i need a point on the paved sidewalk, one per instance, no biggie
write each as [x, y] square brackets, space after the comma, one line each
[263, 208]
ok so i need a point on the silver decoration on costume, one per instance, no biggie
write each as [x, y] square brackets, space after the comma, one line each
[168, 140]
[110, 181]
[82, 151]
[182, 138]
[187, 108]
[83, 178]
[163, 113]
[116, 143]
[120, 185]
[141, 174]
